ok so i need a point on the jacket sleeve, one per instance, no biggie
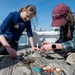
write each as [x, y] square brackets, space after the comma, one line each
[5, 24]
[70, 45]
[29, 29]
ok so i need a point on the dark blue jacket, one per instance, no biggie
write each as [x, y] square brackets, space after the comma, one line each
[13, 26]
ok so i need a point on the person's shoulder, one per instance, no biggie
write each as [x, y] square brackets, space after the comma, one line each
[14, 13]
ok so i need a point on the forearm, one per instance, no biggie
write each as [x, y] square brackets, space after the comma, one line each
[3, 41]
[31, 41]
[59, 46]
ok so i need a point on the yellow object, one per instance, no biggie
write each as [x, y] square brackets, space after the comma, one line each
[57, 71]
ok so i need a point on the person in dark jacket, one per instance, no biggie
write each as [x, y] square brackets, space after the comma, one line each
[13, 26]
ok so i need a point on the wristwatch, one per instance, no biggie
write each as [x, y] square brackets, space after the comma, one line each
[53, 46]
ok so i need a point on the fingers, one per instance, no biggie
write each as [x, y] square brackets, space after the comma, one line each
[12, 53]
[42, 47]
[36, 49]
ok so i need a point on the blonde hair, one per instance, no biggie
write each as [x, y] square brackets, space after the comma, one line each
[69, 22]
[30, 8]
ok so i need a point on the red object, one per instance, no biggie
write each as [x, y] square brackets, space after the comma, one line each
[51, 70]
[58, 15]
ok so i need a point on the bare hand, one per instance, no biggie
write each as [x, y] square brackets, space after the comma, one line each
[35, 48]
[12, 52]
[47, 47]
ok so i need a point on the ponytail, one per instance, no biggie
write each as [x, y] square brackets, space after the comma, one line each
[69, 22]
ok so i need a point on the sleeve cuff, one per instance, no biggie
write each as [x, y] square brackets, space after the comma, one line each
[63, 46]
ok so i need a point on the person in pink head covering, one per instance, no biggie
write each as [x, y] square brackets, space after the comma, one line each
[59, 14]
[62, 17]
